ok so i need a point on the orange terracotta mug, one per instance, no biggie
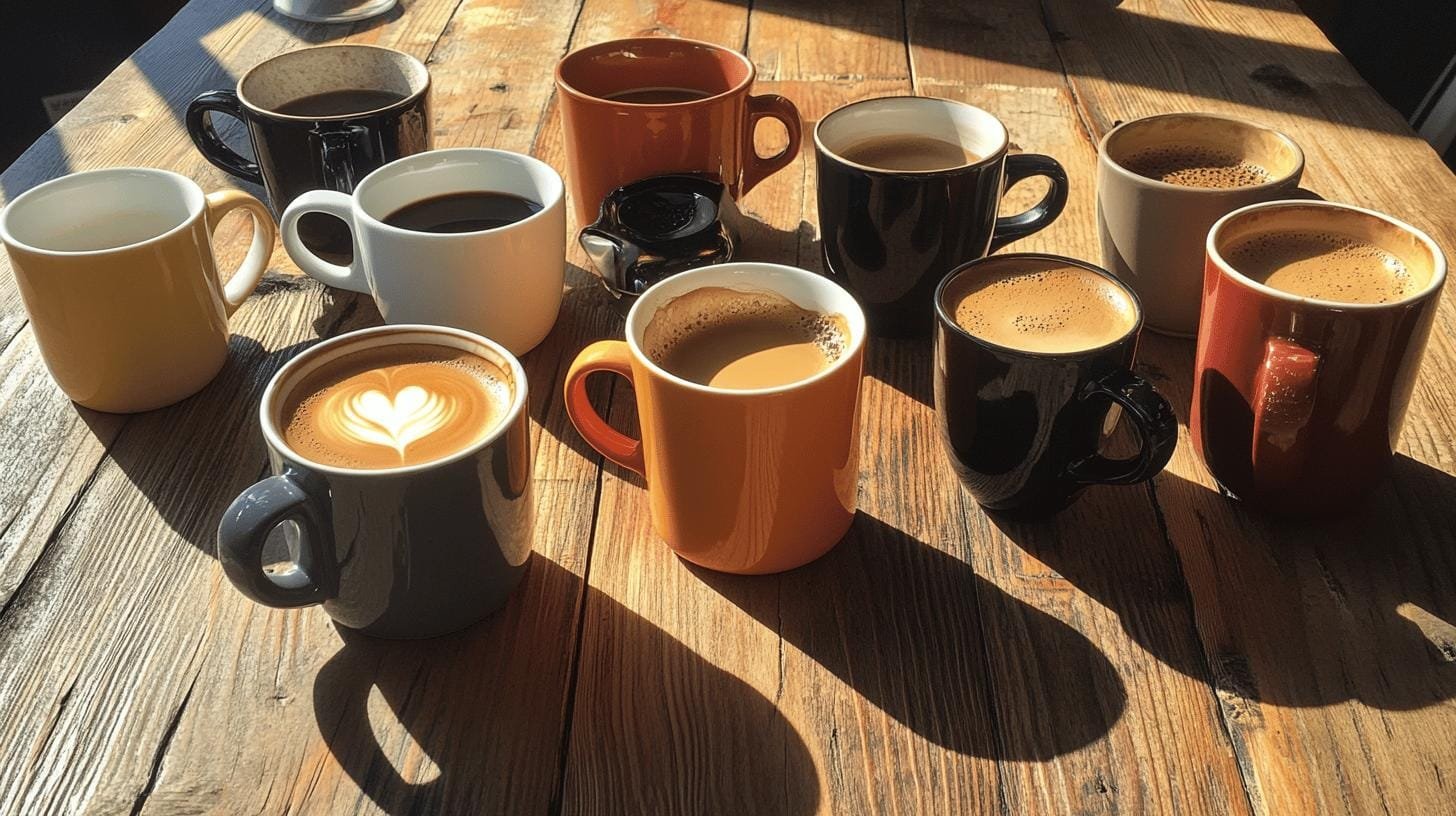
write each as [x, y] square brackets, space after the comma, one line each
[648, 106]
[744, 481]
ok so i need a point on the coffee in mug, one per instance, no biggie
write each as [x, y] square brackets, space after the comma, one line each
[909, 152]
[658, 96]
[1032, 353]
[394, 406]
[470, 211]
[1161, 183]
[1196, 166]
[402, 483]
[730, 338]
[1324, 266]
[341, 102]
[1042, 306]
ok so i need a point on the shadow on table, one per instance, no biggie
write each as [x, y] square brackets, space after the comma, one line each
[900, 623]
[656, 729]
[1292, 613]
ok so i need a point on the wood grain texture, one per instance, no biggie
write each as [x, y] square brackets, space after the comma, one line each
[1153, 650]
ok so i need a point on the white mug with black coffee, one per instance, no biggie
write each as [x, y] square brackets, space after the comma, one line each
[470, 238]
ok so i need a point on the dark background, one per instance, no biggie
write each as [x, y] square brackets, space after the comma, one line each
[52, 47]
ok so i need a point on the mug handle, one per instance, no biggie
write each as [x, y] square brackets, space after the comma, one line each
[1156, 424]
[328, 202]
[604, 355]
[336, 149]
[245, 279]
[1284, 389]
[769, 106]
[211, 145]
[1023, 166]
[244, 530]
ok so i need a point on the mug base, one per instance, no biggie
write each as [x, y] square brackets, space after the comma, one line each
[771, 567]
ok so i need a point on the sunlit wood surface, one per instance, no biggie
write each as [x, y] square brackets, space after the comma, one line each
[1153, 650]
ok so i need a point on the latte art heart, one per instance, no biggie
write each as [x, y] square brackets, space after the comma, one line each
[396, 406]
[410, 415]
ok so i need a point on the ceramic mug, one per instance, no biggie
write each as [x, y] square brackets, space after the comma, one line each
[400, 552]
[1152, 232]
[300, 150]
[1023, 427]
[1298, 402]
[117, 273]
[744, 481]
[891, 235]
[611, 142]
[504, 283]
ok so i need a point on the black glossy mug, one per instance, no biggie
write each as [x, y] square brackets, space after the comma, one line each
[1023, 402]
[319, 118]
[657, 227]
[403, 552]
[890, 234]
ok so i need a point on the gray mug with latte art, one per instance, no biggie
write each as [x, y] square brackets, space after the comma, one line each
[401, 499]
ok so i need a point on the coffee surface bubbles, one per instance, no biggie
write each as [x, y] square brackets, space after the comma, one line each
[727, 338]
[395, 405]
[1189, 166]
[1324, 266]
[1040, 306]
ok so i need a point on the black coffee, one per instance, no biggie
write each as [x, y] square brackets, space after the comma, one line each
[463, 212]
[658, 96]
[340, 103]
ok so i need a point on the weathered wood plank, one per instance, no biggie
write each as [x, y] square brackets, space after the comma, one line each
[1328, 644]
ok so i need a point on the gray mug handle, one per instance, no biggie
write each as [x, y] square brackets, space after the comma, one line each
[245, 528]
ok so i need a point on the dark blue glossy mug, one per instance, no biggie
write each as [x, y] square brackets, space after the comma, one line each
[400, 552]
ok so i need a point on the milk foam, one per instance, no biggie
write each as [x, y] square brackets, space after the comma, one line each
[1041, 306]
[395, 405]
[1324, 266]
[1189, 166]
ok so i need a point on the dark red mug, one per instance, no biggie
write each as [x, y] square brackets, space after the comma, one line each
[1298, 401]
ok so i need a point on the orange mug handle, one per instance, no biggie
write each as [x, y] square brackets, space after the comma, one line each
[769, 106]
[604, 355]
[1284, 390]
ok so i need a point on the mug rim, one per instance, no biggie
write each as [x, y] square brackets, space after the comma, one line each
[854, 315]
[990, 158]
[419, 333]
[1104, 156]
[196, 201]
[338, 117]
[585, 50]
[1438, 270]
[948, 321]
[478, 155]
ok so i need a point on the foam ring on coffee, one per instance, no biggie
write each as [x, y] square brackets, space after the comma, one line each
[1038, 304]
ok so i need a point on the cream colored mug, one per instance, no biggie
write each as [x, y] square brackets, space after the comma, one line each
[118, 277]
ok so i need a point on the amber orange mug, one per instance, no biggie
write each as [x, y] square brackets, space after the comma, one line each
[1298, 401]
[747, 481]
[648, 106]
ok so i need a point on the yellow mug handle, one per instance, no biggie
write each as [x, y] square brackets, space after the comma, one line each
[260, 251]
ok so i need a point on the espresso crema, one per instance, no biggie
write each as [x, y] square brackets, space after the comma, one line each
[395, 405]
[1324, 266]
[1040, 306]
[1192, 166]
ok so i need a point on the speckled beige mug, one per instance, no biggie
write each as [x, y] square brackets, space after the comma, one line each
[1152, 232]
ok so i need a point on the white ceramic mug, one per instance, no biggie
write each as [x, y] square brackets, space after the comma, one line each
[504, 283]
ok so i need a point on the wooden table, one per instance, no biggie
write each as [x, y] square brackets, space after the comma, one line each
[1154, 649]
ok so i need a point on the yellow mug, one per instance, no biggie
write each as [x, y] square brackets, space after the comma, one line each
[117, 274]
[744, 481]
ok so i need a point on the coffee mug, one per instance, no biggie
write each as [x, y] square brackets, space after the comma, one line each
[1152, 230]
[504, 282]
[319, 118]
[406, 551]
[890, 233]
[649, 106]
[1301, 386]
[739, 480]
[657, 227]
[1031, 354]
[117, 274]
